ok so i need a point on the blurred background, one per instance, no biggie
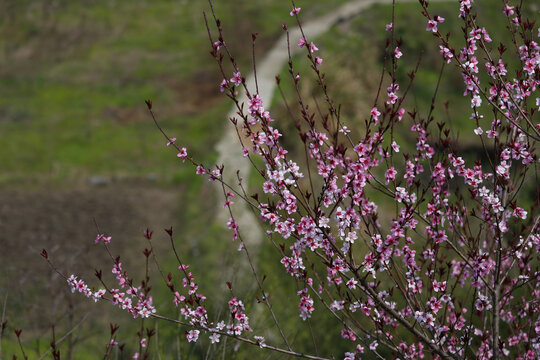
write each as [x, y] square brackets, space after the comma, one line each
[78, 144]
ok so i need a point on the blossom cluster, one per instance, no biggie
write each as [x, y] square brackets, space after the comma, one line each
[330, 219]
[80, 286]
[447, 265]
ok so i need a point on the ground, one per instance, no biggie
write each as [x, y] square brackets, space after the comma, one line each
[61, 220]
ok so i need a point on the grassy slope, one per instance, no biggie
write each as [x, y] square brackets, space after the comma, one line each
[74, 77]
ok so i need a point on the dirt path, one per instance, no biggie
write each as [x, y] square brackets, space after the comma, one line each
[229, 148]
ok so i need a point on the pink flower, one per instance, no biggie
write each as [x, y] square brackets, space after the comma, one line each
[72, 281]
[306, 307]
[217, 45]
[390, 175]
[313, 47]
[508, 10]
[431, 26]
[397, 53]
[231, 224]
[223, 85]
[351, 284]
[182, 154]
[476, 101]
[375, 113]
[531, 64]
[438, 19]
[237, 78]
[435, 305]
[392, 98]
[318, 61]
[389, 27]
[102, 237]
[260, 339]
[192, 335]
[439, 286]
[446, 53]
[171, 141]
[401, 112]
[301, 42]
[214, 338]
[98, 294]
[200, 170]
[295, 11]
[492, 134]
[519, 213]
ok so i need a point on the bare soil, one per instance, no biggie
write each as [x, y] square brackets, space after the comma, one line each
[61, 221]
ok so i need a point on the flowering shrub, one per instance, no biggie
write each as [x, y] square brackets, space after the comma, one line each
[449, 269]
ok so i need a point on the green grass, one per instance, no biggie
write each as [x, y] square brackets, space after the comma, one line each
[59, 100]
